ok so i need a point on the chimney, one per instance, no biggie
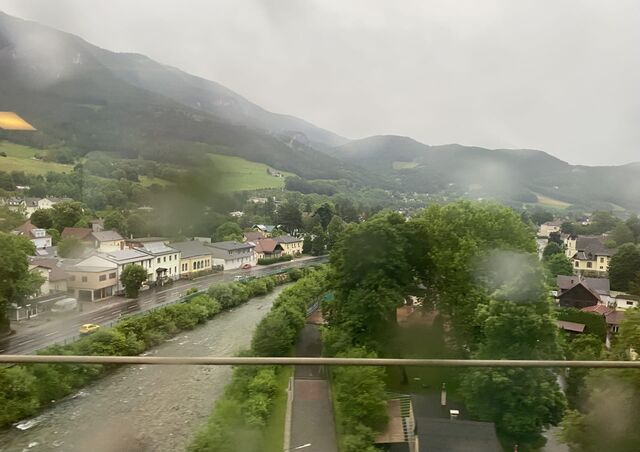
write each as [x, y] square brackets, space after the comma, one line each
[443, 395]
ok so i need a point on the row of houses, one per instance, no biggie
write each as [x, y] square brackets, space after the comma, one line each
[29, 205]
[97, 274]
[595, 296]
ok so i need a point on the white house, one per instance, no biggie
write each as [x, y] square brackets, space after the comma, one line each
[232, 254]
[38, 236]
[118, 259]
[165, 261]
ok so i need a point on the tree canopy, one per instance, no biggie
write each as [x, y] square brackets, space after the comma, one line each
[624, 267]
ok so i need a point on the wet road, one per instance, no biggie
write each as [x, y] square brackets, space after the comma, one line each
[59, 331]
[146, 408]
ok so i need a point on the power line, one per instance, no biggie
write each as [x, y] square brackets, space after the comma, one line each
[251, 361]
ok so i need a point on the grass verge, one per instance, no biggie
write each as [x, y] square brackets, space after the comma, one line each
[274, 431]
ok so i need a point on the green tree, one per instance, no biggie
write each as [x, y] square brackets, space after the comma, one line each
[334, 230]
[558, 264]
[42, 218]
[318, 242]
[289, 217]
[229, 231]
[70, 247]
[634, 225]
[551, 249]
[273, 336]
[541, 216]
[370, 280]
[624, 267]
[9, 220]
[132, 278]
[66, 214]
[454, 238]
[622, 234]
[115, 221]
[55, 236]
[17, 282]
[325, 212]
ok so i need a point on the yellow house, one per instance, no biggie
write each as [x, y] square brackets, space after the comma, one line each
[588, 253]
[195, 257]
[290, 245]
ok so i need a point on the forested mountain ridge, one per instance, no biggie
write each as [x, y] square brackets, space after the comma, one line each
[511, 175]
[83, 98]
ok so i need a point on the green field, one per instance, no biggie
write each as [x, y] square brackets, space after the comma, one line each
[403, 165]
[147, 181]
[238, 174]
[546, 201]
[20, 158]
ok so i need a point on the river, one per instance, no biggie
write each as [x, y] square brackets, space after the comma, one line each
[146, 408]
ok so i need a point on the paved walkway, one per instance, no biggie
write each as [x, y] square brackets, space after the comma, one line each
[312, 412]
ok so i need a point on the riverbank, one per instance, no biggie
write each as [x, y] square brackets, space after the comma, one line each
[147, 408]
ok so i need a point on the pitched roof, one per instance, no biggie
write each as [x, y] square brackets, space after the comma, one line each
[266, 246]
[446, 435]
[566, 293]
[614, 318]
[599, 285]
[252, 236]
[106, 236]
[231, 245]
[157, 248]
[56, 273]
[27, 229]
[571, 326]
[598, 309]
[191, 249]
[79, 233]
[288, 239]
[591, 246]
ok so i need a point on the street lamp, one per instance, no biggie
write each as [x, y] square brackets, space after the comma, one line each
[304, 446]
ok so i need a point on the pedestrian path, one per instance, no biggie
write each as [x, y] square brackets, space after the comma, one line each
[312, 411]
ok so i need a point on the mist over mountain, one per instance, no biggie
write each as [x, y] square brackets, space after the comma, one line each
[90, 99]
[510, 175]
[87, 98]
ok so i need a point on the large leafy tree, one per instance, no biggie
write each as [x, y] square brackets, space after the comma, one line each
[16, 281]
[334, 230]
[289, 217]
[622, 234]
[624, 267]
[522, 402]
[9, 220]
[458, 236]
[558, 264]
[229, 231]
[325, 212]
[66, 214]
[132, 278]
[371, 277]
[42, 218]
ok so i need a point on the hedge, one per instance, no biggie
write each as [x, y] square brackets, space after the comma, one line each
[594, 323]
[275, 260]
[27, 389]
[239, 417]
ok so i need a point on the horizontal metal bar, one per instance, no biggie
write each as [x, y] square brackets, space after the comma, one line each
[245, 361]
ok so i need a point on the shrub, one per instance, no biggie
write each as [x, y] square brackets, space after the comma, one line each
[275, 260]
[273, 335]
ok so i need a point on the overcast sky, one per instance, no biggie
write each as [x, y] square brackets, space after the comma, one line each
[560, 76]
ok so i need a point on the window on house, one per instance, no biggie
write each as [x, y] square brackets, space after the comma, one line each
[84, 279]
[577, 263]
[164, 259]
[102, 278]
[629, 303]
[602, 259]
[112, 275]
[72, 278]
[158, 261]
[170, 257]
[589, 264]
[175, 269]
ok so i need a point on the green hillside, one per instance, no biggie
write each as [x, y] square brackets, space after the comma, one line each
[21, 158]
[240, 174]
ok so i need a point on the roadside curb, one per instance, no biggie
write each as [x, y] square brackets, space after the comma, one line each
[287, 417]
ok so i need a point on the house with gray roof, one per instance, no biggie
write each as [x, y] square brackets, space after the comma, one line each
[232, 254]
[589, 253]
[195, 257]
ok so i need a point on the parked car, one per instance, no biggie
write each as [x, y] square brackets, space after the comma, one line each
[246, 266]
[65, 305]
[89, 328]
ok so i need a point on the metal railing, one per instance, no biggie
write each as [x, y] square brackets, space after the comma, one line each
[289, 361]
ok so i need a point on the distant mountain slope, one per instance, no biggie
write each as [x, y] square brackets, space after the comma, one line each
[211, 97]
[67, 88]
[510, 175]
